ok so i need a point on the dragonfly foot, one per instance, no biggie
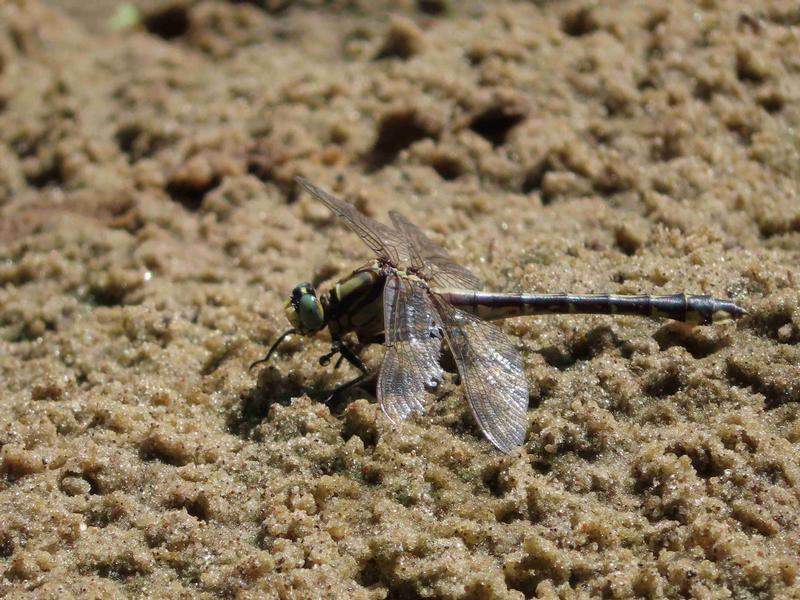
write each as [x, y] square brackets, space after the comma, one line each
[325, 359]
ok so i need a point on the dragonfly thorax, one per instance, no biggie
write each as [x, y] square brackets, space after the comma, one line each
[304, 310]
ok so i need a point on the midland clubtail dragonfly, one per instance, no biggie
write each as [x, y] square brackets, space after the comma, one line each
[414, 297]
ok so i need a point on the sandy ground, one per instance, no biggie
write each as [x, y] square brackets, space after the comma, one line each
[150, 231]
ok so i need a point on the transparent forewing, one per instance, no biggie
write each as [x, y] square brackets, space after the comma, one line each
[492, 375]
[431, 260]
[382, 240]
[410, 368]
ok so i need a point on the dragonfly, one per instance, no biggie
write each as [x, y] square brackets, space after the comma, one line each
[414, 298]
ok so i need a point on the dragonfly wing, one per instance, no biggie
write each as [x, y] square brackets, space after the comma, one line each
[492, 373]
[413, 331]
[382, 240]
[431, 259]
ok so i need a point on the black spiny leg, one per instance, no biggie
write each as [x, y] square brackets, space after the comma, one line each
[347, 354]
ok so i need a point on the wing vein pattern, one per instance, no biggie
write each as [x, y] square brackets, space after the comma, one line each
[492, 374]
[430, 259]
[381, 239]
[410, 368]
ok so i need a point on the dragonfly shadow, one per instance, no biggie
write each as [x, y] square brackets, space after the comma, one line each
[586, 347]
[700, 343]
[275, 387]
[271, 388]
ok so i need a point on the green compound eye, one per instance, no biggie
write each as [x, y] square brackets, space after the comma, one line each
[310, 311]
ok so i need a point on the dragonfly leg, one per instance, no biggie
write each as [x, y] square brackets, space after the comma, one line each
[351, 357]
[325, 359]
[274, 347]
[344, 353]
[346, 386]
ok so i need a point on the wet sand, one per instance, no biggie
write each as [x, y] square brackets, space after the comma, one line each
[150, 231]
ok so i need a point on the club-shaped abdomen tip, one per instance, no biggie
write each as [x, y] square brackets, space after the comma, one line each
[725, 310]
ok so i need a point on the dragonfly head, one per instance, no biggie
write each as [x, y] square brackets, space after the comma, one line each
[304, 310]
[305, 313]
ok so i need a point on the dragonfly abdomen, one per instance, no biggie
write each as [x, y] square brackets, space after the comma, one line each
[680, 307]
